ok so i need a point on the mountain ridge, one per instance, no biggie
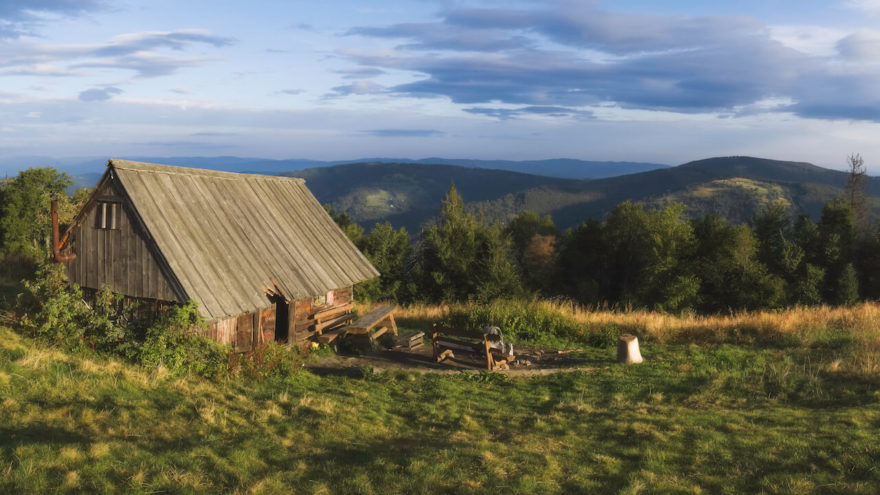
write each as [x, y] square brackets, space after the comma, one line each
[733, 187]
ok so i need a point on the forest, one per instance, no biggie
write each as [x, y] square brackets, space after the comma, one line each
[654, 259]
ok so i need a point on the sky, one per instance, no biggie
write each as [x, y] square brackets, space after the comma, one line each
[630, 80]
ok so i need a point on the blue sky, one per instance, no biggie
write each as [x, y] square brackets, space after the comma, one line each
[603, 80]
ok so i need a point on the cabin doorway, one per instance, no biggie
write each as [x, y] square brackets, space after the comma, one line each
[282, 320]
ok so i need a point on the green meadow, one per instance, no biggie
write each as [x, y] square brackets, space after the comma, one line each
[798, 412]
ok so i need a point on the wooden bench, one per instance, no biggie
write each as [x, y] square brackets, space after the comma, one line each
[445, 346]
[367, 328]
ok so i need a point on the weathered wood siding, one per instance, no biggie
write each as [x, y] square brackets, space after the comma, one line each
[244, 332]
[119, 258]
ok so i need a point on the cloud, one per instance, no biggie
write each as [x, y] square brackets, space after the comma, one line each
[511, 113]
[358, 88]
[403, 132]
[432, 36]
[18, 17]
[99, 94]
[575, 54]
[868, 6]
[214, 134]
[360, 72]
[138, 52]
[291, 91]
[861, 46]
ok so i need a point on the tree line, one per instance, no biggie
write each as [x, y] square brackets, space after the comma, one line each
[652, 259]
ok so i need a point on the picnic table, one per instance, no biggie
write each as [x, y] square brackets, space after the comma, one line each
[374, 324]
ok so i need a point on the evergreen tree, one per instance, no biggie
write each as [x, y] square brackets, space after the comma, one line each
[583, 264]
[535, 246]
[856, 196]
[461, 258]
[353, 231]
[390, 252]
[836, 241]
[730, 274]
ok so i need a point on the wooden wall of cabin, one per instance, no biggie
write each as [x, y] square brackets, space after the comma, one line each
[244, 332]
[301, 320]
[116, 257]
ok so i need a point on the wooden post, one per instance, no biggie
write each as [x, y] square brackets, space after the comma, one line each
[628, 349]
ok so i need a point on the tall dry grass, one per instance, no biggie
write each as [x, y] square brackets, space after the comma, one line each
[861, 320]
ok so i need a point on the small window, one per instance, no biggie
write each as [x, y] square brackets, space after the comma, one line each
[105, 215]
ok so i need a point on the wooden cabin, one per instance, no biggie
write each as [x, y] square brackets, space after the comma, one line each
[257, 252]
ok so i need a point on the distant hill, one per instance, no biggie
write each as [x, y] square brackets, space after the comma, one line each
[733, 187]
[409, 194]
[87, 170]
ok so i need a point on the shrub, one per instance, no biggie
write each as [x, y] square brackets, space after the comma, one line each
[531, 321]
[52, 310]
[268, 360]
[174, 341]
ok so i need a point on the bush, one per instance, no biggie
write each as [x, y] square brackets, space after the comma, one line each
[533, 322]
[174, 341]
[264, 361]
[52, 310]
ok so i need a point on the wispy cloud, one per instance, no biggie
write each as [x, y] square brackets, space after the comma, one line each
[99, 94]
[138, 52]
[359, 88]
[510, 113]
[19, 17]
[403, 132]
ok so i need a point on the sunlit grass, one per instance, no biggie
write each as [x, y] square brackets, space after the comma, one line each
[746, 403]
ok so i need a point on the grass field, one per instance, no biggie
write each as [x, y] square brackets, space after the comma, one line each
[753, 403]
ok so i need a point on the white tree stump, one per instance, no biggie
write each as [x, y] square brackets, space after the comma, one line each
[628, 349]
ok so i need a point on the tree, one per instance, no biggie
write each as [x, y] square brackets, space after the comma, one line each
[731, 277]
[25, 222]
[648, 254]
[390, 252]
[856, 196]
[534, 242]
[776, 249]
[461, 258]
[353, 231]
[836, 242]
[583, 263]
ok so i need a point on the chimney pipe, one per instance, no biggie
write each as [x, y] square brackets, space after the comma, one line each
[56, 249]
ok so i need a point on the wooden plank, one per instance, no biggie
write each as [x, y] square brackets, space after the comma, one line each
[456, 332]
[329, 313]
[459, 344]
[378, 333]
[330, 336]
[332, 323]
[372, 318]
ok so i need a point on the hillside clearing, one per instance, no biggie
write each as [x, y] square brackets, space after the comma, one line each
[701, 414]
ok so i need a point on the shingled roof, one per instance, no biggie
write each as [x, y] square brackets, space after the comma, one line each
[228, 237]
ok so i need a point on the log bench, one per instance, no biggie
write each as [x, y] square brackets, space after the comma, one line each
[448, 341]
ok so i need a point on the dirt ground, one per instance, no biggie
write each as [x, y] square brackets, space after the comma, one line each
[528, 362]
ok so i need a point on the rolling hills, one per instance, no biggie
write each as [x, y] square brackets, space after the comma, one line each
[733, 187]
